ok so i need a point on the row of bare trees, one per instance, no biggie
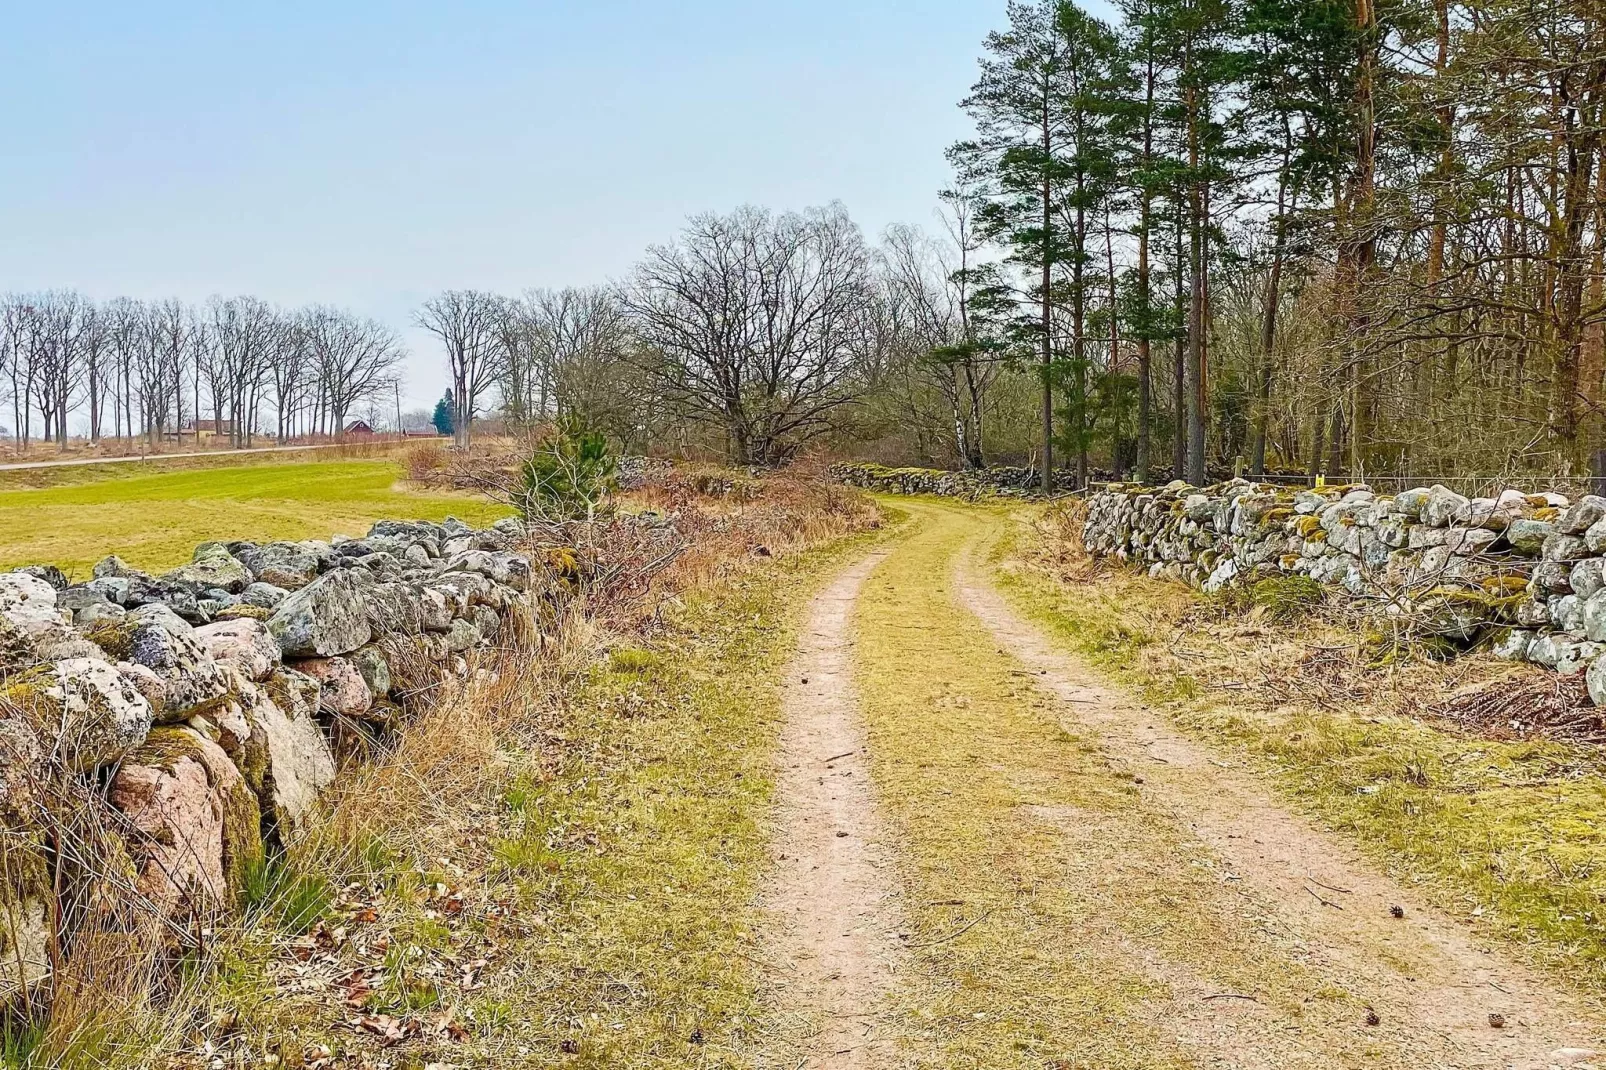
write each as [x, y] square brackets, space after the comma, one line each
[132, 369]
[751, 331]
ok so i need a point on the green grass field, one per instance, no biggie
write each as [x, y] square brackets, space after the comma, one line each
[154, 521]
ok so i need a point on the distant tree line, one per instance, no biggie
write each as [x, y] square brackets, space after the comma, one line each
[752, 332]
[143, 369]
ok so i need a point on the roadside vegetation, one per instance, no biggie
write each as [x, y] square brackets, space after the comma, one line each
[560, 861]
[1499, 817]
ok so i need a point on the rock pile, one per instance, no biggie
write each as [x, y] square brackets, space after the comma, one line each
[1525, 573]
[211, 700]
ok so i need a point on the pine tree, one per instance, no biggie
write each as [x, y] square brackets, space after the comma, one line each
[443, 415]
[1017, 163]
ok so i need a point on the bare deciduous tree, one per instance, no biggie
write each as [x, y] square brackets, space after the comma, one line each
[354, 359]
[749, 320]
[466, 322]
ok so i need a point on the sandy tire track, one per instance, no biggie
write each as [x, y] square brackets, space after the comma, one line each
[831, 899]
[1431, 978]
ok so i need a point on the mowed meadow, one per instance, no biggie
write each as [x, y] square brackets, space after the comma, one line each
[154, 520]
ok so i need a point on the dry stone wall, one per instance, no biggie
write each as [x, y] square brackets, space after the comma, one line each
[211, 700]
[994, 481]
[1524, 573]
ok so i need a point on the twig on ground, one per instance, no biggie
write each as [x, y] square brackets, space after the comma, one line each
[1319, 899]
[961, 931]
[1329, 887]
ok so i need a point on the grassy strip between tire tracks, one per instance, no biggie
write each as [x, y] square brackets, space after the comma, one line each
[1509, 834]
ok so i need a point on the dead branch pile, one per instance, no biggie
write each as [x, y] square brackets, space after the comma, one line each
[1526, 706]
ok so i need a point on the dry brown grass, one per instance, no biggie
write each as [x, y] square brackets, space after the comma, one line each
[115, 953]
[733, 520]
[424, 461]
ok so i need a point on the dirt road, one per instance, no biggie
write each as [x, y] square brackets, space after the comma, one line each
[78, 462]
[1028, 869]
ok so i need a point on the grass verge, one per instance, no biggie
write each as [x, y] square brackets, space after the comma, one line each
[1507, 833]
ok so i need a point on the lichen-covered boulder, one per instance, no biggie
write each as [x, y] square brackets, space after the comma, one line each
[1441, 505]
[1567, 612]
[75, 599]
[16, 649]
[1513, 644]
[21, 764]
[146, 682]
[1595, 617]
[1545, 650]
[1551, 577]
[196, 825]
[213, 566]
[242, 611]
[1559, 547]
[411, 529]
[28, 603]
[463, 636]
[341, 689]
[93, 614]
[1574, 658]
[1470, 541]
[1583, 514]
[326, 618]
[471, 588]
[374, 668]
[265, 595]
[396, 608]
[243, 643]
[1595, 677]
[1587, 577]
[297, 763]
[437, 608]
[1528, 536]
[507, 569]
[161, 615]
[83, 709]
[189, 676]
[282, 564]
[112, 565]
[115, 588]
[178, 599]
[488, 623]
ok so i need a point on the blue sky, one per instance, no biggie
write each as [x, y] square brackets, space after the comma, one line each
[368, 154]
